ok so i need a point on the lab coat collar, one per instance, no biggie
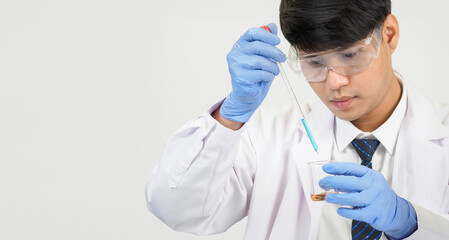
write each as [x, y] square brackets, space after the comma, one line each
[419, 145]
[422, 116]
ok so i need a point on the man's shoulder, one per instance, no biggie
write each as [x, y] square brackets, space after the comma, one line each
[442, 112]
[425, 107]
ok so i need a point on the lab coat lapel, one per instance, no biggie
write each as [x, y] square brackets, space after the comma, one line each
[418, 153]
[320, 121]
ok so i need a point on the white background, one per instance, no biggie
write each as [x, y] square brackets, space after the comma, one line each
[91, 89]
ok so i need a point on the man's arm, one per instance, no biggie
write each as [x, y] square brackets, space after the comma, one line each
[204, 178]
[197, 185]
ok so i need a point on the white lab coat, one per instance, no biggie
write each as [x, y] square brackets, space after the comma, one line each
[210, 177]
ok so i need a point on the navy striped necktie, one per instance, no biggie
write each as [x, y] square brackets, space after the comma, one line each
[365, 148]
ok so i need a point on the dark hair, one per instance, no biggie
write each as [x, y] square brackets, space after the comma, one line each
[320, 25]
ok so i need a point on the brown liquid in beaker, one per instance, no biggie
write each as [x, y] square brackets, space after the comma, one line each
[318, 197]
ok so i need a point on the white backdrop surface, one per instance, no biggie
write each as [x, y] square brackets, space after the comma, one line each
[91, 90]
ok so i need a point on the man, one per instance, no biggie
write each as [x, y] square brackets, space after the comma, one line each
[389, 145]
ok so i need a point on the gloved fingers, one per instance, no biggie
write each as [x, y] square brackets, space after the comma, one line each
[260, 34]
[348, 199]
[247, 92]
[251, 76]
[273, 28]
[351, 213]
[255, 62]
[343, 183]
[266, 50]
[346, 168]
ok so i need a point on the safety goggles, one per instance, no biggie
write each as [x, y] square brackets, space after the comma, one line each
[350, 61]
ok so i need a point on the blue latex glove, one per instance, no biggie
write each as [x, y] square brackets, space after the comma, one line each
[367, 189]
[252, 64]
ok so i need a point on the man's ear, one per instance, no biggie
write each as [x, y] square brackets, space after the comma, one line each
[390, 32]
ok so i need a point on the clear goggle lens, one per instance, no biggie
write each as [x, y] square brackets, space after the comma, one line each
[350, 61]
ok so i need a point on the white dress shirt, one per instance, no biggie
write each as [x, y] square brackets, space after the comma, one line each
[331, 223]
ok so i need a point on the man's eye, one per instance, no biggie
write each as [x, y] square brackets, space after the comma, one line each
[349, 55]
[315, 62]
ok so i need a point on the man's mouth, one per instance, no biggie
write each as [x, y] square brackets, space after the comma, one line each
[342, 102]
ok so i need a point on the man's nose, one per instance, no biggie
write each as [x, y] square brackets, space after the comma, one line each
[334, 80]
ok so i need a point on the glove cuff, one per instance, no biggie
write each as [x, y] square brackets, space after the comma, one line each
[234, 111]
[406, 221]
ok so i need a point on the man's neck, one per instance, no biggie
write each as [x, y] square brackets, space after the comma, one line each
[380, 115]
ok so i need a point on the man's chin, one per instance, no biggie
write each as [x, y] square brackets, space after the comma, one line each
[346, 115]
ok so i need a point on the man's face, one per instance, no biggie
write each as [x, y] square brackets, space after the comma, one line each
[359, 96]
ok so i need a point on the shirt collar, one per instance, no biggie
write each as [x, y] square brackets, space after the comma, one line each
[387, 133]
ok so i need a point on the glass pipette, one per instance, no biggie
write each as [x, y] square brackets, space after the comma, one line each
[295, 100]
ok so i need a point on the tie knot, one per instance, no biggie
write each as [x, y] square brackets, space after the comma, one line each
[365, 148]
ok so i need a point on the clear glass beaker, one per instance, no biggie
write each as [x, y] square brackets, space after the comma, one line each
[316, 174]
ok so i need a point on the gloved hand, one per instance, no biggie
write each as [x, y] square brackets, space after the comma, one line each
[252, 66]
[367, 189]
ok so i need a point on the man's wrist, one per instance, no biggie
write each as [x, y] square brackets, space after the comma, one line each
[226, 122]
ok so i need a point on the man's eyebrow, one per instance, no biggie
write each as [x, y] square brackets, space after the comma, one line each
[310, 55]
